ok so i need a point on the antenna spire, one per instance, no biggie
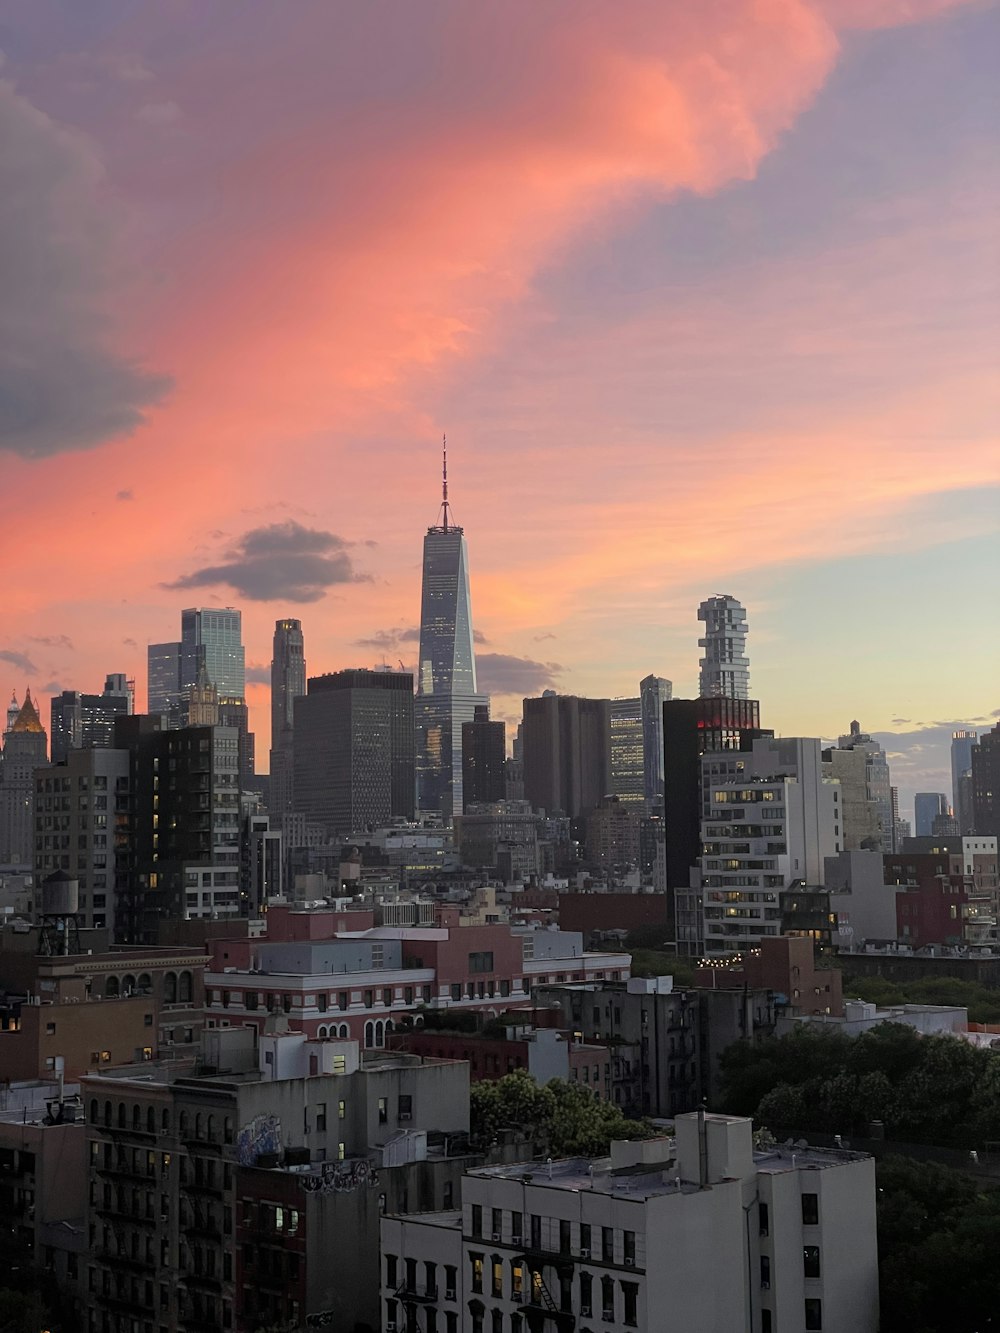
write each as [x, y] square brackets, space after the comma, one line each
[444, 480]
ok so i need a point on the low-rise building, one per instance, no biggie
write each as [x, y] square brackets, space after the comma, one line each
[545, 1052]
[700, 1233]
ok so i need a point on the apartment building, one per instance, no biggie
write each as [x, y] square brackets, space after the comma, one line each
[700, 1233]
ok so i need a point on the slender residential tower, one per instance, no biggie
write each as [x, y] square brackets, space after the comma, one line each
[446, 672]
[725, 668]
[288, 683]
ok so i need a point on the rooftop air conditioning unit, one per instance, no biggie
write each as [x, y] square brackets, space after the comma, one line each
[497, 1236]
[629, 1263]
[584, 1254]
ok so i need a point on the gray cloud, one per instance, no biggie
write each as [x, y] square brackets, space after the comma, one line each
[502, 673]
[390, 638]
[258, 675]
[540, 638]
[20, 660]
[61, 385]
[53, 687]
[52, 640]
[130, 643]
[279, 562]
[124, 495]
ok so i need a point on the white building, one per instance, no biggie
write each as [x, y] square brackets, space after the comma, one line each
[701, 1234]
[725, 668]
[769, 819]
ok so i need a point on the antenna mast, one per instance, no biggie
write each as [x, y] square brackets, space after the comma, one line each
[444, 481]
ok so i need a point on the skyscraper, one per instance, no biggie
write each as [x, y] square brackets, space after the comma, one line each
[628, 770]
[163, 678]
[567, 753]
[878, 785]
[654, 692]
[961, 777]
[725, 667]
[25, 748]
[985, 783]
[288, 683]
[484, 754]
[353, 748]
[86, 721]
[214, 635]
[926, 806]
[446, 676]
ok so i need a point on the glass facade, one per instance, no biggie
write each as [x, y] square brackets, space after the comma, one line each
[215, 637]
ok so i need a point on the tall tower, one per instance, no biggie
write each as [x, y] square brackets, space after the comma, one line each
[654, 691]
[288, 683]
[725, 667]
[446, 673]
[961, 777]
[25, 748]
[214, 636]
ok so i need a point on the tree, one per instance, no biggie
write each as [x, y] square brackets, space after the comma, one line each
[560, 1119]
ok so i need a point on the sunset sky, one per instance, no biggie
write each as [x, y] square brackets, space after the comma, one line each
[706, 296]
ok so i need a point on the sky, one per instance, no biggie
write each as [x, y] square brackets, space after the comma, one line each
[706, 297]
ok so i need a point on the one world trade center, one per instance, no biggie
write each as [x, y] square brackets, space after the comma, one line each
[446, 673]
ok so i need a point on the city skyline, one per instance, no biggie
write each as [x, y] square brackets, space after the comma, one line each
[800, 254]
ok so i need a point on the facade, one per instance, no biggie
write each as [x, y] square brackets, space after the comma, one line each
[354, 750]
[288, 683]
[25, 748]
[85, 721]
[927, 805]
[770, 820]
[628, 768]
[567, 753]
[214, 635]
[263, 874]
[654, 691]
[447, 693]
[164, 692]
[183, 857]
[725, 667]
[612, 835]
[544, 1052]
[961, 778]
[878, 788]
[484, 757]
[949, 896]
[985, 783]
[639, 1240]
[861, 823]
[865, 906]
[82, 827]
[784, 967]
[502, 836]
[338, 981]
[200, 1186]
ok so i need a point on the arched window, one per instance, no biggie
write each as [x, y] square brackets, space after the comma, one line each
[379, 1034]
[321, 1031]
[369, 1035]
[145, 983]
[184, 988]
[184, 1124]
[150, 1120]
[170, 988]
[388, 1026]
[228, 1129]
[128, 984]
[111, 988]
[121, 1115]
[93, 1110]
[165, 1120]
[211, 1129]
[199, 1126]
[107, 1114]
[345, 1031]
[137, 1117]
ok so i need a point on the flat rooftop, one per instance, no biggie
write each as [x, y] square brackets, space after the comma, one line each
[595, 1174]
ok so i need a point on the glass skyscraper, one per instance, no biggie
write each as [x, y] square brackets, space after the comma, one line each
[446, 672]
[214, 637]
[725, 668]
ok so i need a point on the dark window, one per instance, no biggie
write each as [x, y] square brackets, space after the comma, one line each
[406, 1107]
[584, 1238]
[481, 962]
[450, 1278]
[564, 1237]
[447, 1194]
[477, 1220]
[810, 1211]
[765, 1321]
[630, 1303]
[586, 1294]
[814, 1314]
[765, 1272]
[608, 1300]
[629, 1247]
[496, 1222]
[390, 1270]
[536, 1232]
[607, 1244]
[763, 1220]
[810, 1261]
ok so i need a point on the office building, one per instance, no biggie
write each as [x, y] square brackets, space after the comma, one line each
[701, 1232]
[612, 835]
[288, 683]
[927, 805]
[961, 778]
[354, 750]
[725, 667]
[567, 753]
[163, 679]
[985, 783]
[501, 836]
[628, 765]
[878, 787]
[861, 820]
[85, 721]
[484, 756]
[213, 635]
[654, 691]
[25, 748]
[447, 693]
[262, 856]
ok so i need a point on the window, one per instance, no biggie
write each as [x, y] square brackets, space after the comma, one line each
[430, 1280]
[814, 1314]
[406, 1107]
[390, 1270]
[585, 1239]
[536, 1231]
[763, 1220]
[447, 1194]
[516, 1227]
[477, 1272]
[629, 1247]
[564, 1237]
[810, 1261]
[630, 1303]
[516, 1280]
[608, 1300]
[319, 1113]
[810, 1211]
[481, 962]
[607, 1244]
[477, 1220]
[497, 1277]
[765, 1321]
[496, 1222]
[586, 1293]
[450, 1280]
[383, 1111]
[765, 1272]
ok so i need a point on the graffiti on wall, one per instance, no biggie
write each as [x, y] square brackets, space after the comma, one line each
[257, 1137]
[342, 1178]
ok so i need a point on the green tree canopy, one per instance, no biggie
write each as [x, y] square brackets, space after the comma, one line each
[561, 1119]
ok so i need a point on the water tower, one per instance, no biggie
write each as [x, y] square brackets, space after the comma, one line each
[59, 905]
